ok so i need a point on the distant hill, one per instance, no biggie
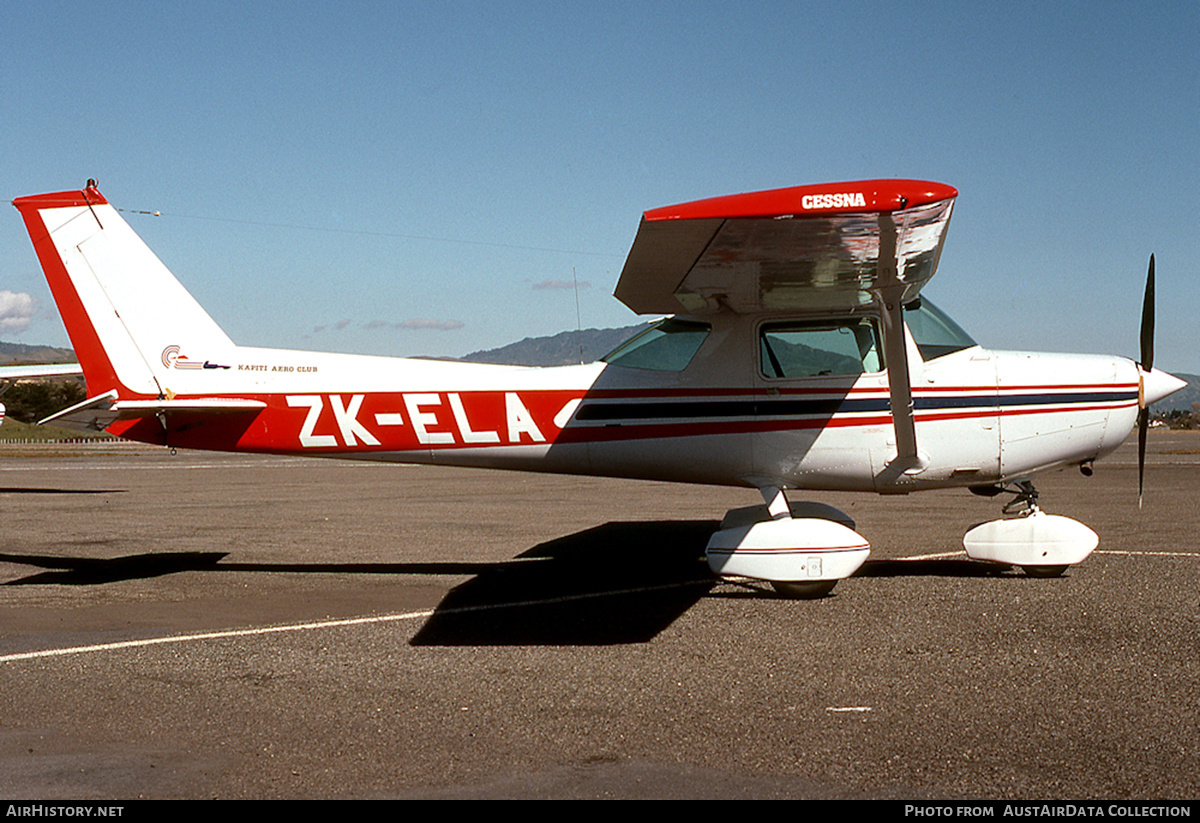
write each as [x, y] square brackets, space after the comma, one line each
[20, 353]
[1183, 399]
[560, 350]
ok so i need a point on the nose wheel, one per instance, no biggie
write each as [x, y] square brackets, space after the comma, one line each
[1023, 504]
[1043, 545]
[1043, 571]
[1025, 501]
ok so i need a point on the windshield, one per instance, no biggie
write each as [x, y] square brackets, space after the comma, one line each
[935, 334]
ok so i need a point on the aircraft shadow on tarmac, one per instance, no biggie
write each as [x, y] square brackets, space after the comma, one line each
[90, 571]
[613, 584]
[35, 490]
[621, 582]
[934, 567]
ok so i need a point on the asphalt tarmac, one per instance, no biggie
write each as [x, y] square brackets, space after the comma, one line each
[213, 626]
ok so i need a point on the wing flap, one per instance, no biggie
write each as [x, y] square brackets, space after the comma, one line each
[800, 248]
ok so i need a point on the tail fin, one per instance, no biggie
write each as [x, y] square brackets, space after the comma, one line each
[129, 319]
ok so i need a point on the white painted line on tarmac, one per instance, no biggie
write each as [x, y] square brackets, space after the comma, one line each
[935, 556]
[1125, 553]
[324, 624]
[188, 638]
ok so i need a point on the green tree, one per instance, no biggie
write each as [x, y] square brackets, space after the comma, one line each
[32, 400]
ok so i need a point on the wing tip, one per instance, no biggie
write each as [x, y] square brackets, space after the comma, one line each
[853, 197]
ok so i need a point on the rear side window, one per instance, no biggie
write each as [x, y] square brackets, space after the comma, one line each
[815, 349]
[668, 345]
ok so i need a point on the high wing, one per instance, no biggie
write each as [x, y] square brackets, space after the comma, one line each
[868, 245]
[835, 246]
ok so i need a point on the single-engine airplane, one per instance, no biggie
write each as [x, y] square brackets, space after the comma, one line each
[798, 354]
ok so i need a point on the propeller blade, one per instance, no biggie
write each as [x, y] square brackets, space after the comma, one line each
[1148, 320]
[1143, 426]
[1143, 421]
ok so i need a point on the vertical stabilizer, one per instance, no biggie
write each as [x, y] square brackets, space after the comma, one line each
[129, 319]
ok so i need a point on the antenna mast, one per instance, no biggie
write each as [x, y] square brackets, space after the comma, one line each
[578, 317]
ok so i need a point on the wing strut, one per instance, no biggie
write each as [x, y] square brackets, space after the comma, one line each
[890, 293]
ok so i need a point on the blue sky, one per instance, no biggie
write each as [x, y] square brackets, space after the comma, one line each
[423, 178]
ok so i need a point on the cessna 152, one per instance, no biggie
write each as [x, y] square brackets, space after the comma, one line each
[798, 355]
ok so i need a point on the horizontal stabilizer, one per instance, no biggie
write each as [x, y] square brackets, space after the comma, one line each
[98, 413]
[93, 414]
[130, 409]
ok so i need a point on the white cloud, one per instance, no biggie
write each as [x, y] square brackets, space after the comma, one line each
[338, 326]
[418, 323]
[425, 323]
[16, 310]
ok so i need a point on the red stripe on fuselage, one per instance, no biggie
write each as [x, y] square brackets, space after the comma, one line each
[334, 423]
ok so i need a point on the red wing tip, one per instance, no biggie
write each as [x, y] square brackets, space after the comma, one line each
[89, 196]
[861, 196]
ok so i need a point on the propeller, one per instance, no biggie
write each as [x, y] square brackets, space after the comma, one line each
[1146, 364]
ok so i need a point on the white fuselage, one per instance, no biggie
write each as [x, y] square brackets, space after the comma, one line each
[981, 416]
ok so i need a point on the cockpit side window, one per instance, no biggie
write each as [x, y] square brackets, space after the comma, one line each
[935, 334]
[847, 346]
[668, 345]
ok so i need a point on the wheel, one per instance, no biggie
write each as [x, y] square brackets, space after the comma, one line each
[1043, 571]
[804, 591]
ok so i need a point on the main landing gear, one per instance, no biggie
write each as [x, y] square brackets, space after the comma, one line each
[801, 549]
[1043, 545]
